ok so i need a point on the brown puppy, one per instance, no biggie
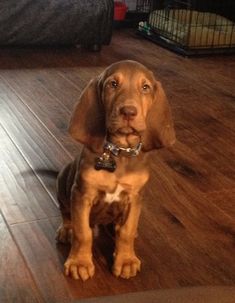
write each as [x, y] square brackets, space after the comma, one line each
[121, 115]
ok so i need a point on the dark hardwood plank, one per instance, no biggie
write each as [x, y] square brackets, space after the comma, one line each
[185, 231]
[16, 283]
[187, 167]
[224, 200]
[184, 295]
[42, 260]
[34, 100]
[45, 260]
[187, 227]
[39, 147]
[23, 197]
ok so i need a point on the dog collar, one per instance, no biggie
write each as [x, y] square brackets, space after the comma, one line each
[107, 162]
[126, 151]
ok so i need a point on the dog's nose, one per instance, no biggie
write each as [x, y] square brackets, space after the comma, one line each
[128, 112]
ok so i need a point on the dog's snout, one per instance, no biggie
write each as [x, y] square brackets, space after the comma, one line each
[128, 112]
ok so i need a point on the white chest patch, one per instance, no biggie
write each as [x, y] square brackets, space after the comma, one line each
[111, 197]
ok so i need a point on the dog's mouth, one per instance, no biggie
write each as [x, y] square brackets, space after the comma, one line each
[125, 134]
[126, 128]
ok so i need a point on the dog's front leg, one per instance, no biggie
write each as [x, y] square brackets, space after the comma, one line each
[126, 264]
[79, 264]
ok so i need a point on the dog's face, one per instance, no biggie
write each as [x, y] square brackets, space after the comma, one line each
[127, 94]
[125, 100]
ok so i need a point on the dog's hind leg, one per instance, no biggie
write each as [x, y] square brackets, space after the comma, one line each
[64, 233]
[64, 183]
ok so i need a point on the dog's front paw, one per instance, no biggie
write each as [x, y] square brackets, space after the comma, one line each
[126, 266]
[80, 267]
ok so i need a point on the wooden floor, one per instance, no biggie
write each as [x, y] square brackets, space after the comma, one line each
[187, 227]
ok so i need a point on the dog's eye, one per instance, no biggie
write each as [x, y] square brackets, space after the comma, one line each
[114, 84]
[145, 88]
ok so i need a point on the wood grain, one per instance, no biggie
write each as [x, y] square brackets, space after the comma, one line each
[184, 295]
[187, 226]
[16, 282]
[23, 197]
[42, 259]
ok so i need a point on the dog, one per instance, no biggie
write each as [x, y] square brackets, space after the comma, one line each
[121, 115]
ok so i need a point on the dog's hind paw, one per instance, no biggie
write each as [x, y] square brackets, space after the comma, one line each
[64, 234]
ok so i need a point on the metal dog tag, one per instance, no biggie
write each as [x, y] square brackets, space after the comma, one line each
[105, 162]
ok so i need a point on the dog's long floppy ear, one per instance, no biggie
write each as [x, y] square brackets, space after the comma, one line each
[160, 128]
[87, 124]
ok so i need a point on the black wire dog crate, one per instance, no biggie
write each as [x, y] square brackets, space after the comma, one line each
[143, 6]
[191, 27]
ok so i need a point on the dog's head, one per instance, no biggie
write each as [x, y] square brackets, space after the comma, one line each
[124, 102]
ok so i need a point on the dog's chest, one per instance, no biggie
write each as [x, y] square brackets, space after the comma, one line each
[114, 196]
[111, 207]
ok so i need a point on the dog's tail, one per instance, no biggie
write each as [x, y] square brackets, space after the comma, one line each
[47, 172]
[41, 172]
